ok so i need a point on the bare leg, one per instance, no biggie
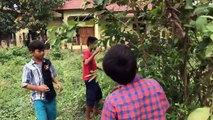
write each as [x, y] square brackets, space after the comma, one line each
[88, 110]
[95, 109]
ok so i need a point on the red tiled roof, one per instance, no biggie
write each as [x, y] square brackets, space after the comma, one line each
[75, 4]
[78, 4]
[117, 8]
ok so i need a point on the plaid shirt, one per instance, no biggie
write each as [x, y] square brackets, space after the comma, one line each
[32, 74]
[142, 99]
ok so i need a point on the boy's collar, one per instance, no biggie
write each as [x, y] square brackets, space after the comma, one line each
[136, 78]
[34, 62]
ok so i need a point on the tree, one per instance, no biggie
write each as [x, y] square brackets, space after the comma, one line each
[32, 14]
[176, 49]
[7, 15]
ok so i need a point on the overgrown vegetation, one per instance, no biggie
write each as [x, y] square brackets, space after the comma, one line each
[15, 101]
[31, 14]
[173, 42]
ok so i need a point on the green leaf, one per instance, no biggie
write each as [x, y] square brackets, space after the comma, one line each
[210, 27]
[201, 23]
[86, 5]
[92, 78]
[207, 16]
[71, 23]
[53, 41]
[204, 1]
[105, 43]
[122, 2]
[188, 25]
[211, 36]
[205, 42]
[200, 114]
[70, 33]
[98, 2]
[64, 40]
[201, 10]
[209, 50]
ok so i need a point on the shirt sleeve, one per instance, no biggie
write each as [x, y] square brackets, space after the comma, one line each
[26, 76]
[86, 55]
[164, 102]
[108, 112]
[53, 71]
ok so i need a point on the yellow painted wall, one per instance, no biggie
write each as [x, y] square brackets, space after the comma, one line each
[19, 36]
[77, 13]
[71, 14]
[74, 13]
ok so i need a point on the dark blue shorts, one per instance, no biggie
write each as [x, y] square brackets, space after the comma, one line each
[93, 92]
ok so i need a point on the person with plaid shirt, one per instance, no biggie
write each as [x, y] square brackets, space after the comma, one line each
[137, 98]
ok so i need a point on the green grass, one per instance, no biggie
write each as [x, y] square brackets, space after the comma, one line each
[15, 101]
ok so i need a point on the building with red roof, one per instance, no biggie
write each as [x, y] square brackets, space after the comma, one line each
[76, 10]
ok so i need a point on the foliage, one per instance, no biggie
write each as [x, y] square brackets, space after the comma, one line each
[15, 101]
[173, 44]
[33, 14]
[200, 114]
[174, 47]
[14, 54]
[63, 34]
[7, 20]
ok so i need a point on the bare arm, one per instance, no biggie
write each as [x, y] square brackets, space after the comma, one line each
[41, 88]
[87, 61]
[55, 80]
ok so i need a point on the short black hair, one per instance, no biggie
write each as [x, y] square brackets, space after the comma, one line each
[120, 64]
[91, 40]
[36, 44]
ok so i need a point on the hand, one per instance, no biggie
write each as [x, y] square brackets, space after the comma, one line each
[92, 73]
[100, 68]
[43, 88]
[98, 49]
[58, 85]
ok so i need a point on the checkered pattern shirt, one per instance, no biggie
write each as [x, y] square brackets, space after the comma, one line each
[142, 99]
[32, 74]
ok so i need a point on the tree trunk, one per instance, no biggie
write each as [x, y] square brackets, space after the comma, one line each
[184, 46]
